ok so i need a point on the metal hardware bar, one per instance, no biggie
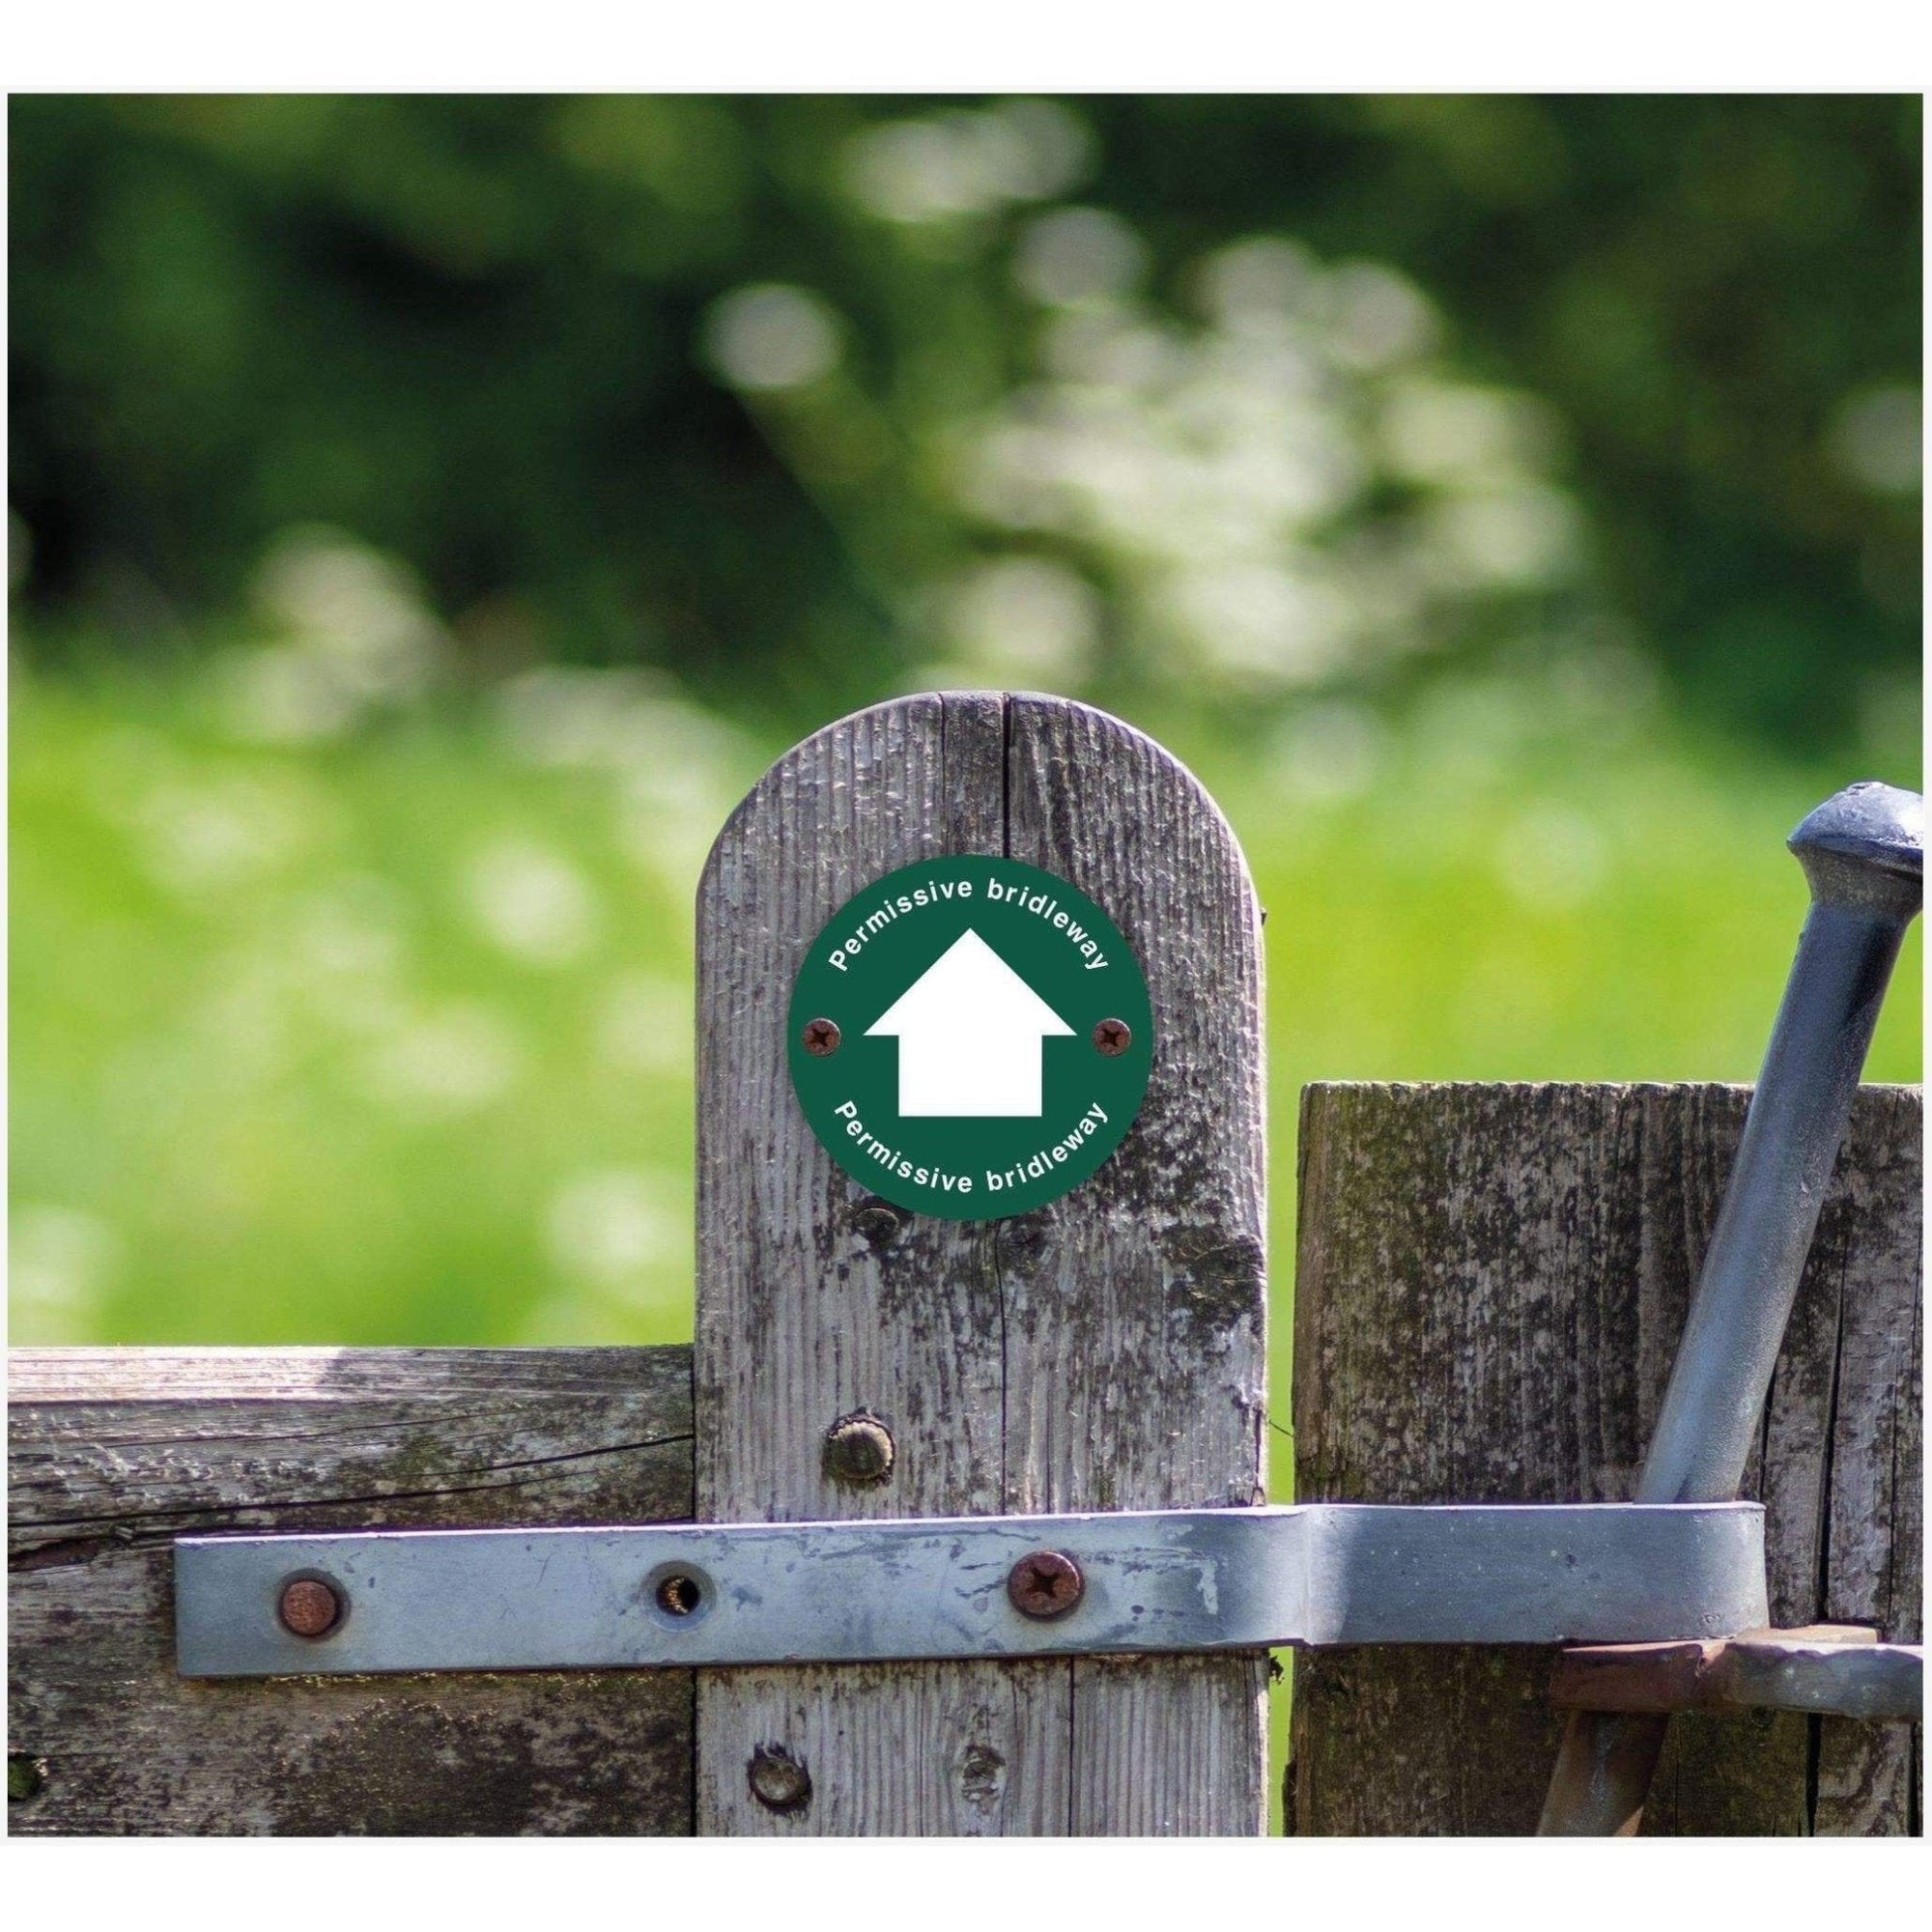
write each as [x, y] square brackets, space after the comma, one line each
[1863, 852]
[685, 1595]
[1830, 1670]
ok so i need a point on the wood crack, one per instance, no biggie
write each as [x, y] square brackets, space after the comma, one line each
[356, 1498]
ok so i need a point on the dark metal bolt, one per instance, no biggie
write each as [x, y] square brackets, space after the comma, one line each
[821, 1037]
[1113, 1038]
[309, 1608]
[778, 1780]
[858, 1449]
[877, 1223]
[1045, 1584]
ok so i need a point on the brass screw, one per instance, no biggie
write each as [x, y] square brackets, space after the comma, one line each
[1113, 1038]
[1045, 1584]
[858, 1449]
[778, 1780]
[821, 1037]
[309, 1608]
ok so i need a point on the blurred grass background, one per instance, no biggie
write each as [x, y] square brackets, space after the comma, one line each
[428, 515]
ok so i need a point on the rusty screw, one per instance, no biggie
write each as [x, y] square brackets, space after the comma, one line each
[309, 1608]
[858, 1450]
[1045, 1584]
[821, 1037]
[778, 1780]
[1113, 1038]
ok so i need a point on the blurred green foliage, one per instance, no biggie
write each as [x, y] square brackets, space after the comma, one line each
[707, 384]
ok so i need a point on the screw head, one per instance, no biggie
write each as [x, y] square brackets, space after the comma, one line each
[778, 1780]
[821, 1037]
[309, 1608]
[1113, 1038]
[877, 1223]
[858, 1450]
[1045, 1584]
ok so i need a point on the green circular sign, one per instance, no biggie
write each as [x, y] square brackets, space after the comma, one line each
[969, 1037]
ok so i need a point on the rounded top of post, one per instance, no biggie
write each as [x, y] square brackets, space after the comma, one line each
[1866, 845]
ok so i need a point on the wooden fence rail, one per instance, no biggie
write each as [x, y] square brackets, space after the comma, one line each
[113, 1452]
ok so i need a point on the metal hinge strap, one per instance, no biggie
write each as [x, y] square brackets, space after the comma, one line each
[699, 1594]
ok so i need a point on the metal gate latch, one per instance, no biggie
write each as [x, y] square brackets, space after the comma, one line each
[912, 1589]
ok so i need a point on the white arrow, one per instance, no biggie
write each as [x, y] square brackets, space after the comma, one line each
[968, 1030]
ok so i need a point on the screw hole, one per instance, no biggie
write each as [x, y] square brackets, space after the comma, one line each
[679, 1595]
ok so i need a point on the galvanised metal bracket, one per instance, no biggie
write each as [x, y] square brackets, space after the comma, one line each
[685, 1595]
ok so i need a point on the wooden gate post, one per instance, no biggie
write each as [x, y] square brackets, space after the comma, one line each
[1493, 1280]
[1106, 1352]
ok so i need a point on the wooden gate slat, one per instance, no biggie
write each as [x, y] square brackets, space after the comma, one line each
[1137, 1306]
[1106, 1352]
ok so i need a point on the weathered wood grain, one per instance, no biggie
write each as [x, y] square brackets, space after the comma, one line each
[1105, 1352]
[1865, 1776]
[812, 1302]
[1136, 1306]
[113, 1452]
[1490, 1284]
